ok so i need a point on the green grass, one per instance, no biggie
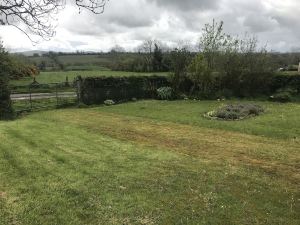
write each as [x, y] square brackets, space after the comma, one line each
[150, 162]
[279, 121]
[21, 106]
[288, 73]
[58, 77]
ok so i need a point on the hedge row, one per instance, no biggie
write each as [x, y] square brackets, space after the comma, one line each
[284, 81]
[6, 110]
[97, 90]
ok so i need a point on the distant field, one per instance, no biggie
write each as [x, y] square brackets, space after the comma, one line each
[73, 62]
[148, 163]
[58, 77]
[76, 59]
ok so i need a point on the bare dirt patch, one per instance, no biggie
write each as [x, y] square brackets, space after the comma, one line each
[3, 194]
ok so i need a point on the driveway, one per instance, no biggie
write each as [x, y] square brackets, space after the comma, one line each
[26, 96]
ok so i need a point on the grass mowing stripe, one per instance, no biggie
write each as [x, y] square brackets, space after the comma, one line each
[281, 121]
[118, 170]
[265, 153]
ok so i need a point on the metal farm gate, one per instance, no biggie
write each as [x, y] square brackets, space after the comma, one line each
[43, 96]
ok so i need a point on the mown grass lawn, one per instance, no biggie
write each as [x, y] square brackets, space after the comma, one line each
[150, 162]
[59, 77]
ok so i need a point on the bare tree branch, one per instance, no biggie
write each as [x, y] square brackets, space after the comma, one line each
[38, 17]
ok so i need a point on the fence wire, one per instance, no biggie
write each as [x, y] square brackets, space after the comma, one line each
[43, 96]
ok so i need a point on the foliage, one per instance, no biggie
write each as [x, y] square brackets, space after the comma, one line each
[20, 70]
[165, 93]
[212, 42]
[236, 111]
[6, 110]
[242, 67]
[285, 81]
[150, 58]
[204, 81]
[157, 62]
[98, 89]
[245, 67]
[56, 62]
[37, 17]
[109, 102]
[180, 59]
[281, 97]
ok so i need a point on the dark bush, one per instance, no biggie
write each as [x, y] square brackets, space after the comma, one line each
[6, 110]
[281, 97]
[285, 81]
[97, 90]
[236, 111]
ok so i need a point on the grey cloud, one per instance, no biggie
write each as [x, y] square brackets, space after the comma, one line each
[187, 5]
[130, 21]
[260, 23]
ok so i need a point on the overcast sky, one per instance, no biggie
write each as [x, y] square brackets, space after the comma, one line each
[129, 22]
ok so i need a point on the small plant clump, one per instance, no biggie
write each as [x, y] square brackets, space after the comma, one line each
[282, 97]
[109, 102]
[165, 93]
[236, 112]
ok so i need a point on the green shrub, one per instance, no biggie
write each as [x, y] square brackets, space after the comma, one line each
[290, 90]
[236, 111]
[165, 93]
[204, 80]
[95, 90]
[82, 105]
[284, 81]
[281, 97]
[109, 102]
[6, 110]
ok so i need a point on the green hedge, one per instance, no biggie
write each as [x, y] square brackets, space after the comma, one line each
[285, 81]
[6, 110]
[95, 90]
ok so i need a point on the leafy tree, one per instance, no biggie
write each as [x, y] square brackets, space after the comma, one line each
[56, 62]
[117, 49]
[239, 63]
[180, 59]
[201, 76]
[157, 62]
[6, 110]
[146, 51]
[212, 42]
[245, 67]
[42, 65]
